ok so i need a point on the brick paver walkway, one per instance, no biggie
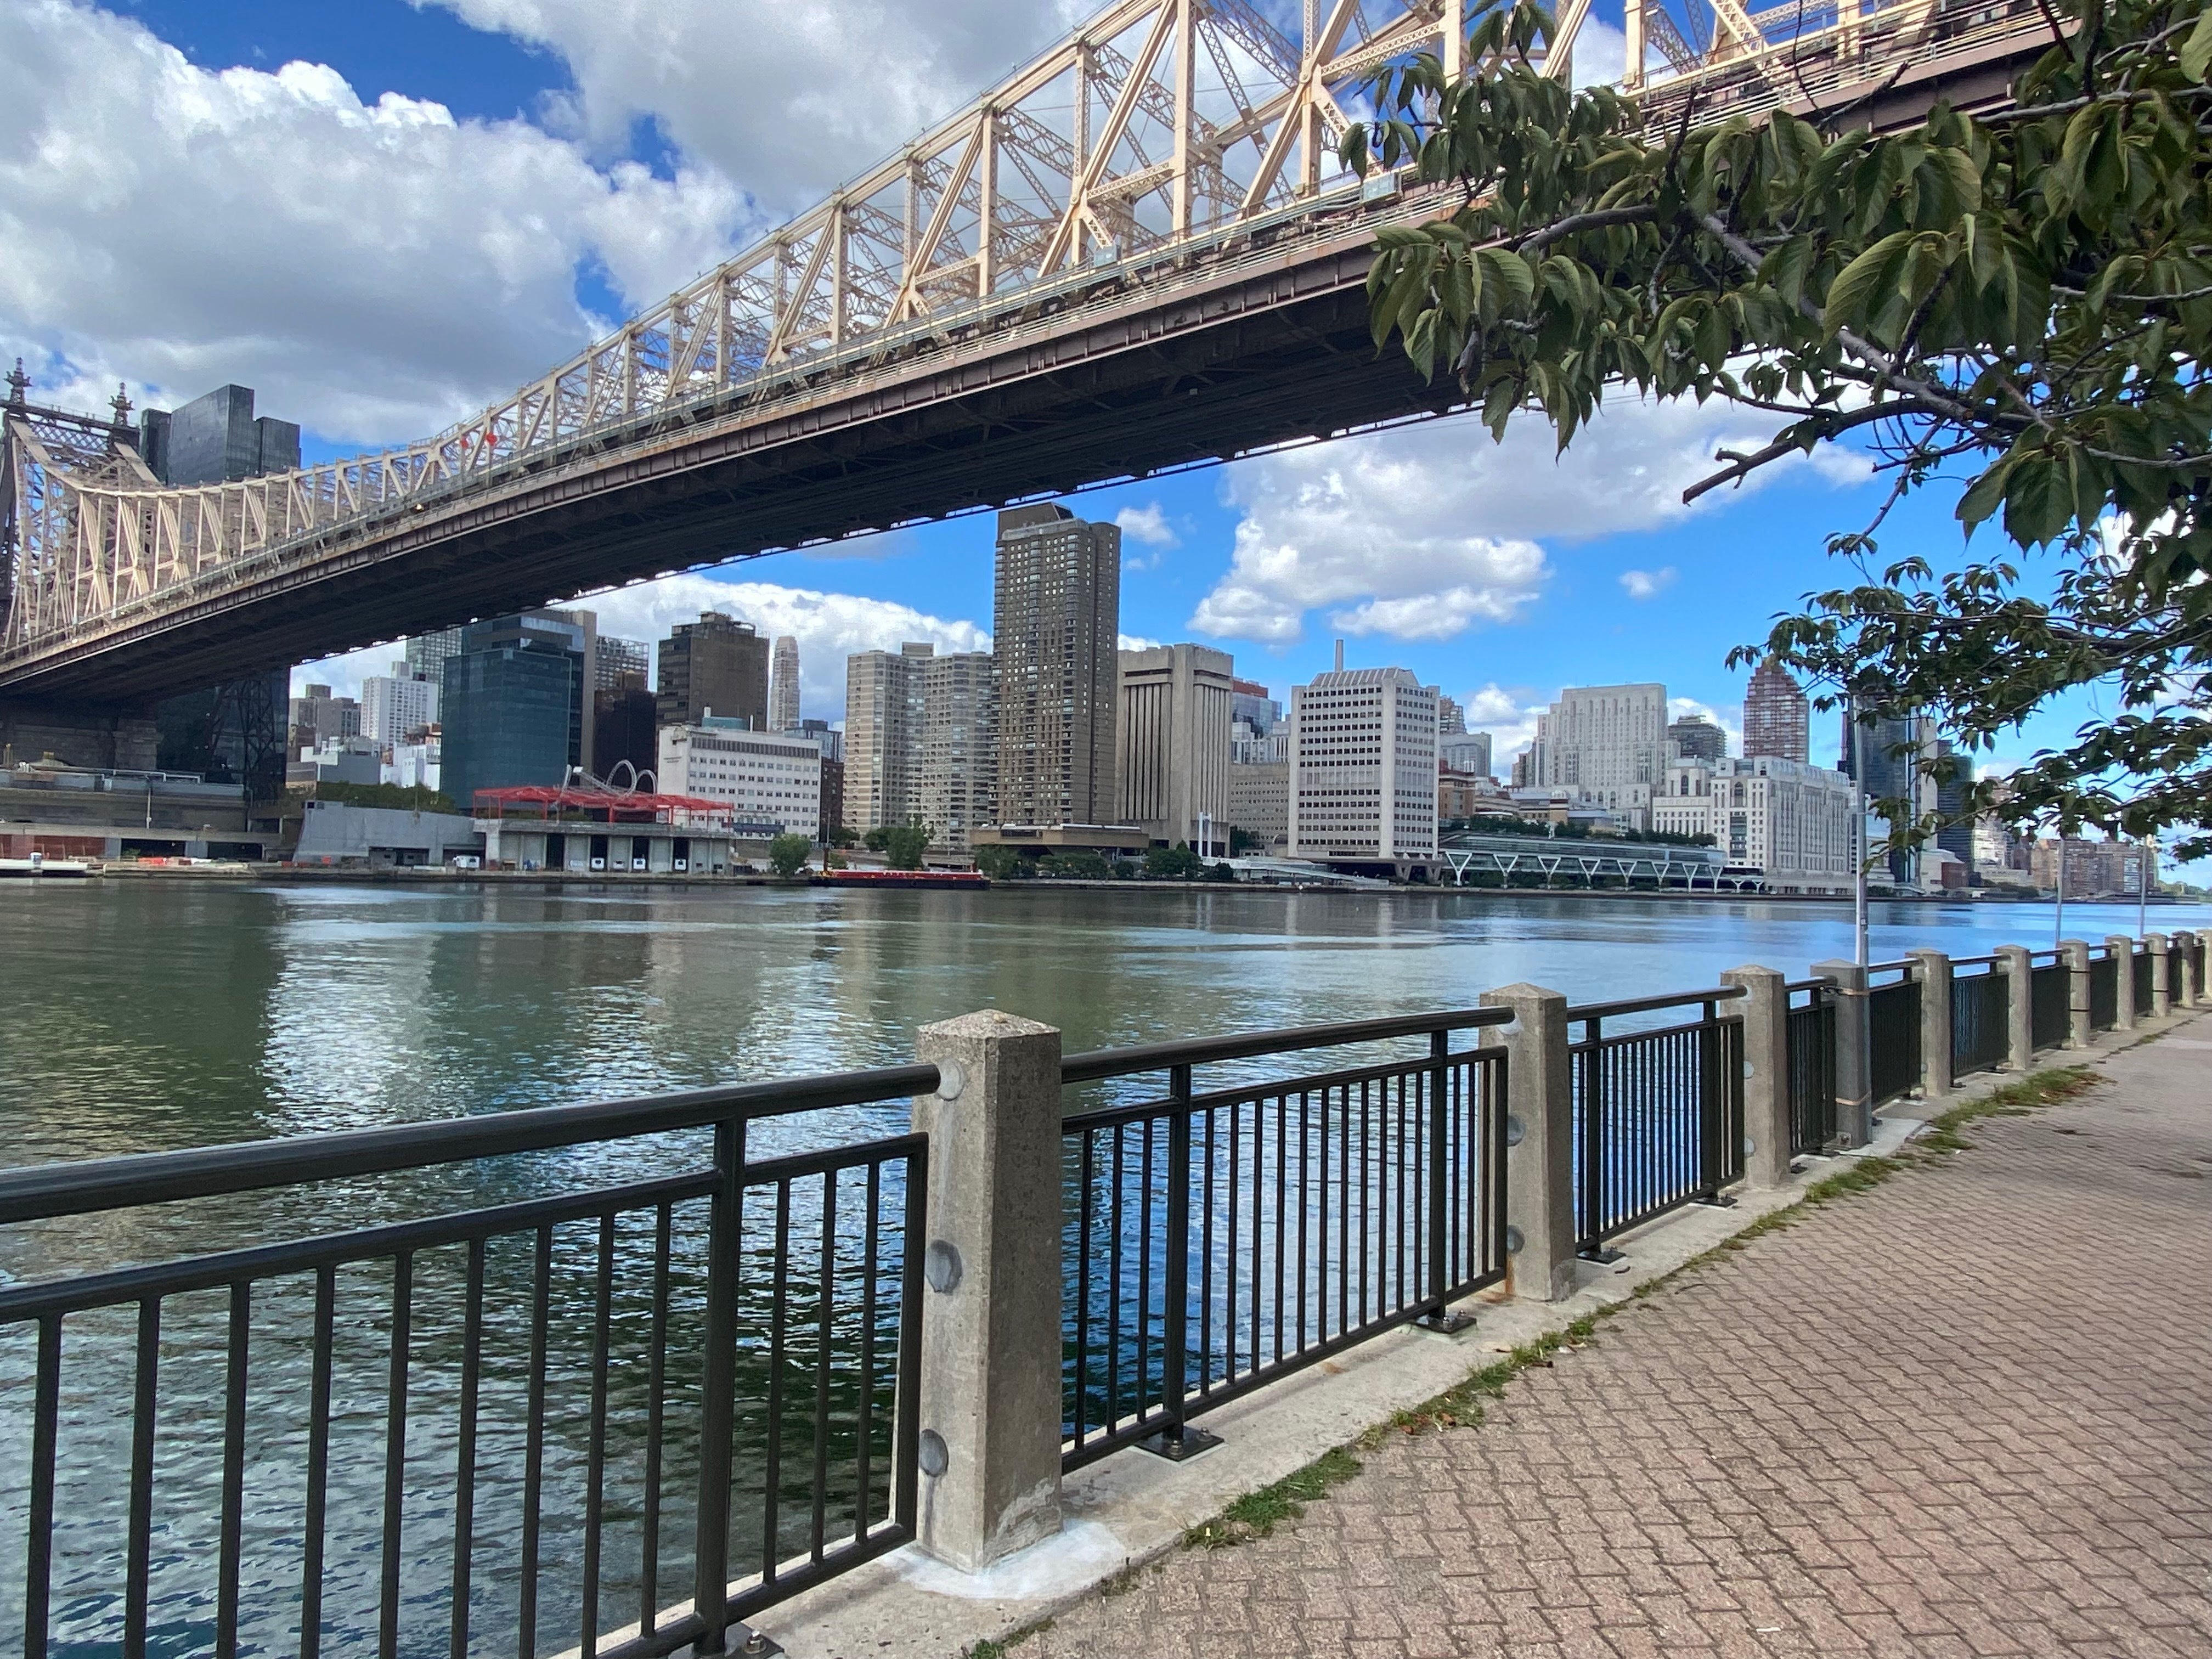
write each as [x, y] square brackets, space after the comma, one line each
[1969, 1412]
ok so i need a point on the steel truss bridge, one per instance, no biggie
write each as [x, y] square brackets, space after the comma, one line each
[1136, 253]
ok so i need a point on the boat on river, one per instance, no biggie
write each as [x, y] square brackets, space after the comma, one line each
[40, 865]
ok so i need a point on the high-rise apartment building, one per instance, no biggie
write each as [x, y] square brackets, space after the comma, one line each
[783, 685]
[716, 665]
[1607, 744]
[1451, 719]
[921, 741]
[1172, 741]
[318, 717]
[1778, 717]
[1363, 766]
[392, 705]
[620, 662]
[1055, 621]
[427, 652]
[1695, 738]
[1901, 754]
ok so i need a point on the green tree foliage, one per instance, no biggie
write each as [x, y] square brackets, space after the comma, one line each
[2013, 307]
[1075, 864]
[904, 844]
[841, 835]
[1241, 842]
[389, 795]
[1001, 863]
[787, 855]
[877, 838]
[1175, 863]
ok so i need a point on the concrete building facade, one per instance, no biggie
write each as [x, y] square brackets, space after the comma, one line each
[772, 783]
[1605, 743]
[1055, 622]
[1172, 741]
[1363, 767]
[1260, 800]
[921, 741]
[394, 704]
[1695, 738]
[1464, 751]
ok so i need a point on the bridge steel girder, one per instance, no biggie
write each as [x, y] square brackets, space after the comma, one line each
[1252, 359]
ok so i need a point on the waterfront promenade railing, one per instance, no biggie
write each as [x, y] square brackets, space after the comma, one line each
[615, 1377]
[486, 1427]
[1218, 1238]
[1812, 1058]
[1658, 1113]
[1981, 1016]
[2104, 989]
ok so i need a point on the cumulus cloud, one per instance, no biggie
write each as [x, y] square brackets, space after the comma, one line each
[829, 626]
[373, 269]
[793, 98]
[1600, 54]
[1647, 583]
[1135, 642]
[1147, 524]
[1510, 717]
[1419, 533]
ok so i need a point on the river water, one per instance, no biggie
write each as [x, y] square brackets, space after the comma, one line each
[149, 1015]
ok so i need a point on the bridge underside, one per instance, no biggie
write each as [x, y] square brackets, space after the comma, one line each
[1256, 360]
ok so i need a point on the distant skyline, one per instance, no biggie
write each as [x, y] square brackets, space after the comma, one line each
[564, 166]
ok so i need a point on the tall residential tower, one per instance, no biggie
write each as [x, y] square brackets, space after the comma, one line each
[1056, 623]
[1777, 719]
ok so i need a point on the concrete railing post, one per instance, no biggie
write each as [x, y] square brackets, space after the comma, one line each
[1854, 1053]
[2162, 976]
[1933, 970]
[2019, 968]
[2075, 953]
[2185, 987]
[990, 1393]
[1766, 1118]
[2123, 949]
[1540, 1163]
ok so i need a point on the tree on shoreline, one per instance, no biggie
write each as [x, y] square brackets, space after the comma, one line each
[2014, 305]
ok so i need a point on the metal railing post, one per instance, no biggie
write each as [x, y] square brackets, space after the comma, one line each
[2019, 1005]
[1715, 1090]
[1439, 1317]
[1589, 1141]
[990, 1399]
[710, 1579]
[2075, 953]
[1767, 1117]
[2161, 974]
[1854, 1052]
[1540, 1162]
[2121, 949]
[1933, 970]
[1176, 1440]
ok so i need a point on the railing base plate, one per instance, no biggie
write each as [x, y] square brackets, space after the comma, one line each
[1605, 1256]
[1445, 1324]
[743, 1642]
[1717, 1201]
[1179, 1448]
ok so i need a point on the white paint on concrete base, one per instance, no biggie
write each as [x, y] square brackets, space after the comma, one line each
[1081, 1555]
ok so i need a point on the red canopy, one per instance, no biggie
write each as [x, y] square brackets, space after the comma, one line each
[617, 806]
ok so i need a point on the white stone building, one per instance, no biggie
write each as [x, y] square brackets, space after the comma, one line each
[1790, 821]
[772, 782]
[1605, 743]
[1363, 767]
[392, 705]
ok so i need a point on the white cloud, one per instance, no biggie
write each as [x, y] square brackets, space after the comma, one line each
[1146, 524]
[1135, 642]
[790, 99]
[829, 626]
[1510, 717]
[1647, 583]
[371, 270]
[1600, 54]
[1419, 533]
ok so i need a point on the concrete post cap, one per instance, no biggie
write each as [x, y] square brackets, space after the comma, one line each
[984, 1025]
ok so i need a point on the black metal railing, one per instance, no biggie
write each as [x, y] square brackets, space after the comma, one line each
[1218, 1239]
[2050, 1002]
[2144, 963]
[1812, 1036]
[1981, 1016]
[517, 1427]
[2104, 991]
[1658, 1114]
[1894, 1050]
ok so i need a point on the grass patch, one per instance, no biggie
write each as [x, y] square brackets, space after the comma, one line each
[989, 1648]
[1462, 1405]
[1257, 1513]
[2031, 1093]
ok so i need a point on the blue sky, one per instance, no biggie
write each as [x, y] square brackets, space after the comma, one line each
[380, 214]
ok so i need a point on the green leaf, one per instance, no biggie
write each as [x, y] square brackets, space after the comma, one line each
[1861, 279]
[2197, 50]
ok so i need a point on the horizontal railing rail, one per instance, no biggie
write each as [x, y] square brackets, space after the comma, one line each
[43, 1191]
[1586, 1010]
[1217, 1241]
